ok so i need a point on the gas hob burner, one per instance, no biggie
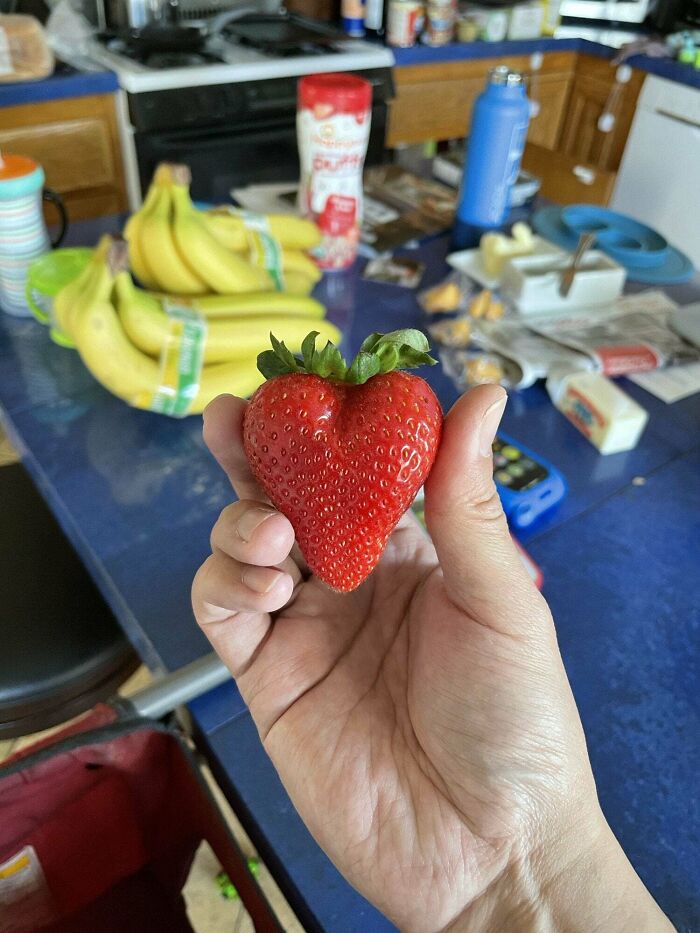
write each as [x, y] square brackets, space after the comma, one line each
[160, 60]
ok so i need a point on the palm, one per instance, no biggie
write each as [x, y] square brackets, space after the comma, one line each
[354, 702]
[423, 724]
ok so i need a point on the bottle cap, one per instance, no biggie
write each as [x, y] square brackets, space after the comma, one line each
[19, 175]
[335, 93]
[503, 76]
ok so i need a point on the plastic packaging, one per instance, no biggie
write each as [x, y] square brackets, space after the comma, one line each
[333, 122]
[48, 274]
[181, 361]
[24, 52]
[496, 142]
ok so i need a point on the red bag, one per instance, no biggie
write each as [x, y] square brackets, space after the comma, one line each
[98, 829]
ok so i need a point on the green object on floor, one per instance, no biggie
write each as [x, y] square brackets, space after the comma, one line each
[227, 889]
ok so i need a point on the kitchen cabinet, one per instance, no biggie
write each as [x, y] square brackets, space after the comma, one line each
[582, 166]
[565, 146]
[434, 102]
[592, 93]
[77, 142]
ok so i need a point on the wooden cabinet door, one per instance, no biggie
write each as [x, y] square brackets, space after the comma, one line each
[434, 102]
[593, 84]
[551, 93]
[76, 142]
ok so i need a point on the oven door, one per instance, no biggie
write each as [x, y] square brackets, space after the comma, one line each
[222, 158]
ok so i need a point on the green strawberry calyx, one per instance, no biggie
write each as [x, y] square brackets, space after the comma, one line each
[379, 353]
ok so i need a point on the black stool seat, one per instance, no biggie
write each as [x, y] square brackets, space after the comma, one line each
[61, 650]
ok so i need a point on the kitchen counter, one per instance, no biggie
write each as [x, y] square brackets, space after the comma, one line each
[461, 51]
[137, 494]
[64, 83]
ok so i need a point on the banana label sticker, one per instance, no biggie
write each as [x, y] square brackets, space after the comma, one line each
[265, 249]
[181, 360]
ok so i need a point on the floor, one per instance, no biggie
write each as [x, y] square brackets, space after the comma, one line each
[209, 911]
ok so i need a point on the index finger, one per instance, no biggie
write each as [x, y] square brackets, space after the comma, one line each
[223, 435]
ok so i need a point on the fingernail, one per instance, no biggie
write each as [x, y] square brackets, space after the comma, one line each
[250, 520]
[260, 579]
[489, 425]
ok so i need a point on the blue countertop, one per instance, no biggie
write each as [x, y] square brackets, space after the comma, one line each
[459, 51]
[137, 495]
[57, 87]
[104, 82]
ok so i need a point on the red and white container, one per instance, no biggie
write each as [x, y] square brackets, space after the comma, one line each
[333, 121]
[404, 23]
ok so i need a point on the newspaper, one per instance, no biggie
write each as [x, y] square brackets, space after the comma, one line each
[632, 336]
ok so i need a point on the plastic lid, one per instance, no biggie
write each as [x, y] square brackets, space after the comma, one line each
[16, 166]
[504, 76]
[50, 272]
[19, 175]
[343, 93]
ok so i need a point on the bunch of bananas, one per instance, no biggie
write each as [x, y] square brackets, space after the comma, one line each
[177, 249]
[121, 331]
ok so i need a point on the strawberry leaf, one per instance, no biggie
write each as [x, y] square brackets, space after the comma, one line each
[270, 365]
[329, 362]
[364, 366]
[379, 353]
[308, 350]
[285, 355]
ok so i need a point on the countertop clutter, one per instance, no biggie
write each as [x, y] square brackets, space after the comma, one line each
[524, 203]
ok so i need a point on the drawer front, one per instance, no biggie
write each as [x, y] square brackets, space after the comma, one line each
[75, 154]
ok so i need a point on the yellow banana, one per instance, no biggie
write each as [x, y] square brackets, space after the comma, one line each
[222, 270]
[148, 328]
[297, 283]
[135, 377]
[259, 303]
[293, 260]
[132, 234]
[158, 249]
[247, 304]
[290, 231]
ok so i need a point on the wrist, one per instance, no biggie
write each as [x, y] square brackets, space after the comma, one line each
[580, 881]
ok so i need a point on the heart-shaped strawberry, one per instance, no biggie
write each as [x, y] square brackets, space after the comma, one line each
[343, 450]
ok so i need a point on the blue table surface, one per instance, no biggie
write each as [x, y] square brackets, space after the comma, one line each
[137, 495]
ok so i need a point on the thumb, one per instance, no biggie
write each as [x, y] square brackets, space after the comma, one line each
[483, 573]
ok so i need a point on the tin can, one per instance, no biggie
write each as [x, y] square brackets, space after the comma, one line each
[353, 17]
[403, 22]
[440, 22]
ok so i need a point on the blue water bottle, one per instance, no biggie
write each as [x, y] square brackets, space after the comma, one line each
[495, 148]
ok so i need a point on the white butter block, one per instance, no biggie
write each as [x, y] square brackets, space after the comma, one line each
[602, 412]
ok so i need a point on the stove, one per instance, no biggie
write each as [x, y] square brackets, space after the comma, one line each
[228, 110]
[270, 47]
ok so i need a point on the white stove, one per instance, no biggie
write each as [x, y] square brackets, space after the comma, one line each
[228, 109]
[230, 62]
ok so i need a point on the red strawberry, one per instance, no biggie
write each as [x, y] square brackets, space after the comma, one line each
[342, 451]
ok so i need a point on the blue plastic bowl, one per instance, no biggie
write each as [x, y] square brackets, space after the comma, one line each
[626, 240]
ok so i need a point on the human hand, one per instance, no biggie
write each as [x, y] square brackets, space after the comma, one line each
[423, 724]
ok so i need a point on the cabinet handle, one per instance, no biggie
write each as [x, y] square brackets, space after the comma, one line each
[584, 174]
[677, 119]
